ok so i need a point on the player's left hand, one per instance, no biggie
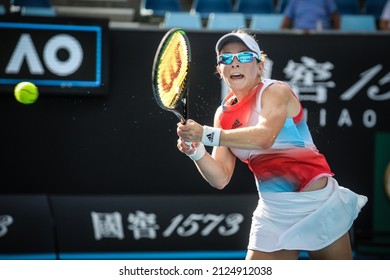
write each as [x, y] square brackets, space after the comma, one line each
[190, 132]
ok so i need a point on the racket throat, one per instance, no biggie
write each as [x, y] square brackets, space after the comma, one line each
[180, 117]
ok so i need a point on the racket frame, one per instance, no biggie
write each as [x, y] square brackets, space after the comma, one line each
[183, 97]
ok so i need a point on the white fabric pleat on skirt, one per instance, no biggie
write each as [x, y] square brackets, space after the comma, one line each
[304, 220]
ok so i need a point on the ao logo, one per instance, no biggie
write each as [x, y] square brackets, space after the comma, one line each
[25, 50]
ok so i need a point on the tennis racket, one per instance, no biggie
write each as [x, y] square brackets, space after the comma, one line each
[171, 66]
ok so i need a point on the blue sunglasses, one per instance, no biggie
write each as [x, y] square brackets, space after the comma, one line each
[243, 57]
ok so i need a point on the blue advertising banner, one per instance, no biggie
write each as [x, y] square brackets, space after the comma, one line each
[56, 55]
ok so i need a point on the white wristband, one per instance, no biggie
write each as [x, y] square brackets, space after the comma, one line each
[200, 151]
[211, 135]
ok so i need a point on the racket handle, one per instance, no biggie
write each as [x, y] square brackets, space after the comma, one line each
[183, 121]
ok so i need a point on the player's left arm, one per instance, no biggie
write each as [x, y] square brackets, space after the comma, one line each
[278, 103]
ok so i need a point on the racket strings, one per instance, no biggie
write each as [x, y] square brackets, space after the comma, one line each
[172, 70]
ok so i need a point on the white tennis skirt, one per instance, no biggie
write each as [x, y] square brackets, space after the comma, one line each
[303, 220]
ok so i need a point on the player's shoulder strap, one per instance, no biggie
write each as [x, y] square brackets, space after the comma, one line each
[266, 83]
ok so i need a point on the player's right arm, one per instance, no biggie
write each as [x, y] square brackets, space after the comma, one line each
[217, 168]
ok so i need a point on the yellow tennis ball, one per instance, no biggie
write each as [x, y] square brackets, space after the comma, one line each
[26, 92]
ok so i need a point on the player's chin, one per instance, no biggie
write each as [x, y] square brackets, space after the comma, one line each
[237, 86]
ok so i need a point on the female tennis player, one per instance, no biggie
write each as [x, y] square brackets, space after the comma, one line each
[260, 122]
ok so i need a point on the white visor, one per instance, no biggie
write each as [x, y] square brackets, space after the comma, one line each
[238, 37]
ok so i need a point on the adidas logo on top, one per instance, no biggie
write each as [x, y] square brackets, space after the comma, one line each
[236, 124]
